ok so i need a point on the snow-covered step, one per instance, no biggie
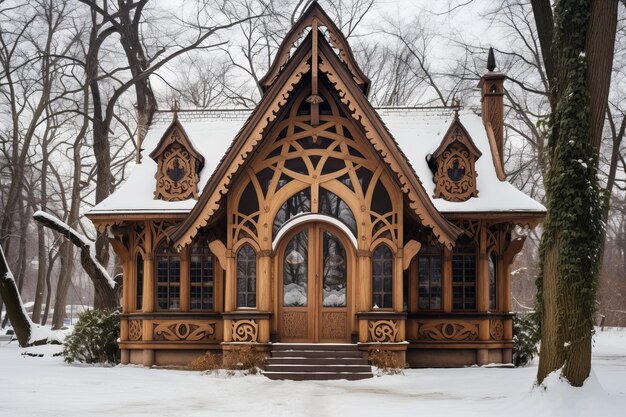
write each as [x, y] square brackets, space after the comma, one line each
[318, 376]
[309, 361]
[316, 361]
[317, 354]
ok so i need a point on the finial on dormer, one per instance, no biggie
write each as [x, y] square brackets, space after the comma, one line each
[491, 61]
[175, 108]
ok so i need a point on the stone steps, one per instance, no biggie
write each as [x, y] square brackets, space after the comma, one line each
[324, 361]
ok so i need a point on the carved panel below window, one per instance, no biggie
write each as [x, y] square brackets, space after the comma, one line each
[191, 331]
[448, 330]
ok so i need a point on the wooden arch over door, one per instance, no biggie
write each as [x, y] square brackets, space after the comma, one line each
[329, 169]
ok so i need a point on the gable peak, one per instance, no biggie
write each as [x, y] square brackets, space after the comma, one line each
[313, 18]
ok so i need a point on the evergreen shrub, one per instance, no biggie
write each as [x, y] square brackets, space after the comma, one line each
[94, 339]
[525, 338]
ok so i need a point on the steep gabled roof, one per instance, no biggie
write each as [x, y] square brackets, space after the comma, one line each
[450, 138]
[352, 95]
[167, 139]
[315, 17]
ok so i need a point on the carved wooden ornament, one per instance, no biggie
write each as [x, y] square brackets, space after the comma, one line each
[178, 165]
[455, 161]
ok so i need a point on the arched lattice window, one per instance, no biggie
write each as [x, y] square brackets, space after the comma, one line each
[464, 274]
[382, 277]
[168, 277]
[493, 298]
[298, 203]
[429, 274]
[246, 277]
[201, 276]
[332, 205]
[138, 282]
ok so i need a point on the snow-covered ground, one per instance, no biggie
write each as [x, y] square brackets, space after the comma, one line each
[46, 386]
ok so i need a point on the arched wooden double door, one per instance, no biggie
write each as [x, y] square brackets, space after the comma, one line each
[315, 263]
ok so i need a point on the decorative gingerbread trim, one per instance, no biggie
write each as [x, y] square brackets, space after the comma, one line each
[455, 161]
[178, 165]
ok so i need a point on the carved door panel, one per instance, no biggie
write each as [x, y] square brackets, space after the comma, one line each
[313, 290]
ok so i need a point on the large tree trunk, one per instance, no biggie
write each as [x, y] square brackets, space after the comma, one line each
[571, 246]
[63, 284]
[10, 295]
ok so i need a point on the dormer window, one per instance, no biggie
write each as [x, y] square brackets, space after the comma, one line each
[179, 165]
[454, 165]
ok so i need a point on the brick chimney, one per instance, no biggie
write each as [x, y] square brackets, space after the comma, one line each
[492, 91]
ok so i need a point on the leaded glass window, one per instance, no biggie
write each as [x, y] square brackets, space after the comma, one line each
[464, 275]
[246, 277]
[167, 277]
[429, 276]
[298, 203]
[332, 205]
[382, 277]
[201, 276]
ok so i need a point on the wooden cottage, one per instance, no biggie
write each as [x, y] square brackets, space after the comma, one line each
[318, 218]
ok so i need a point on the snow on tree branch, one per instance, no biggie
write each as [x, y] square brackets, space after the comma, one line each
[94, 269]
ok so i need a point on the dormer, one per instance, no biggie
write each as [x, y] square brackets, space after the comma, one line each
[179, 164]
[454, 164]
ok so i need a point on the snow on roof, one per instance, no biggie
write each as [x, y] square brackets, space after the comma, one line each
[418, 131]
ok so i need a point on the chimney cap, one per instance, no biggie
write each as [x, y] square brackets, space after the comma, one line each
[491, 60]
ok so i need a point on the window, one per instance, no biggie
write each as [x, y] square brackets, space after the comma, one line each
[298, 203]
[168, 277]
[492, 281]
[429, 276]
[331, 204]
[464, 275]
[139, 282]
[382, 277]
[201, 276]
[246, 277]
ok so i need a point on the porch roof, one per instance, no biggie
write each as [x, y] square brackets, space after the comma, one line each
[418, 131]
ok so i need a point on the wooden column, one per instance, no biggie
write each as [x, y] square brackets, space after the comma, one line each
[397, 287]
[129, 286]
[230, 284]
[482, 273]
[413, 286]
[364, 281]
[184, 279]
[264, 280]
[363, 285]
[148, 293]
[264, 291]
[446, 282]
